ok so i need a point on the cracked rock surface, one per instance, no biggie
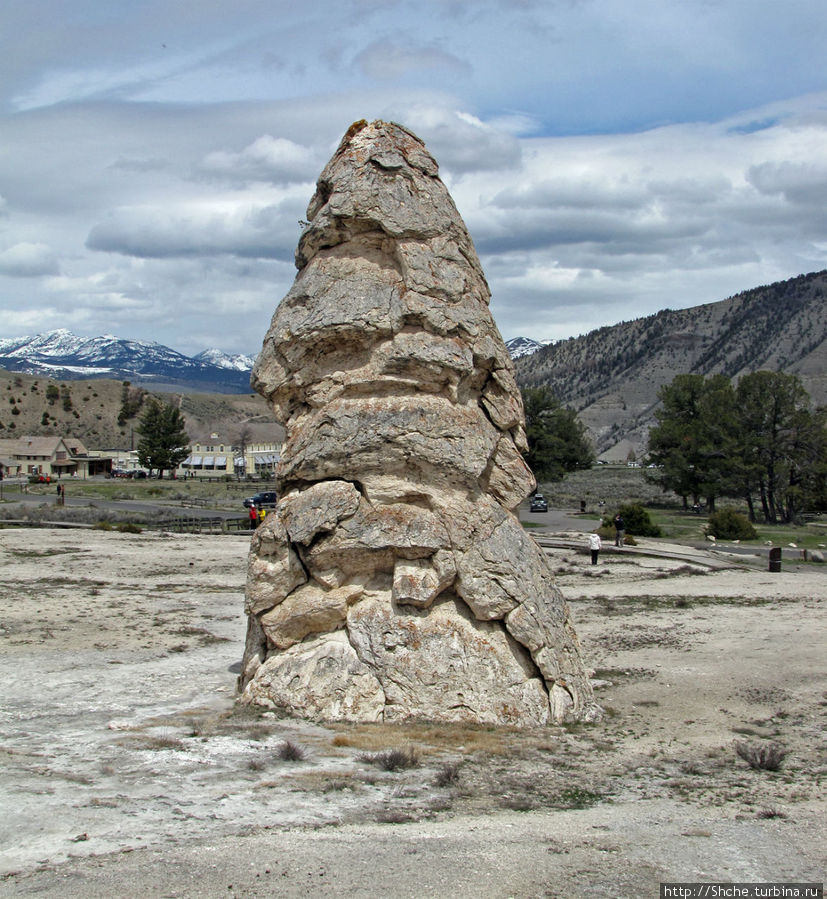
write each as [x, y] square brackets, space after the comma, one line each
[394, 581]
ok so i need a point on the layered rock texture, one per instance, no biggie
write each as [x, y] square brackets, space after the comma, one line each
[394, 581]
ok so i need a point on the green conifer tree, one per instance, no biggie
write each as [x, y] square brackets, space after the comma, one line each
[164, 443]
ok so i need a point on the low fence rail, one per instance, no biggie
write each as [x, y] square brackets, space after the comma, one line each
[191, 524]
[184, 524]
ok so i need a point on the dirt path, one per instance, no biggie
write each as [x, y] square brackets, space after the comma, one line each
[127, 771]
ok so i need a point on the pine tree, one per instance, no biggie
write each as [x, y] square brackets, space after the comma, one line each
[164, 443]
[784, 443]
[694, 444]
[712, 440]
[557, 440]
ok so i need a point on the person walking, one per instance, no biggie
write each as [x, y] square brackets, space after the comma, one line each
[594, 546]
[620, 530]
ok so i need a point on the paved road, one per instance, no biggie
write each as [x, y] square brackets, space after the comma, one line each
[556, 520]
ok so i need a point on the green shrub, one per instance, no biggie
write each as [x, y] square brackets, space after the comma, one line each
[636, 519]
[606, 533]
[727, 524]
[129, 528]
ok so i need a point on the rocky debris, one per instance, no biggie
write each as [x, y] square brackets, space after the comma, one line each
[394, 581]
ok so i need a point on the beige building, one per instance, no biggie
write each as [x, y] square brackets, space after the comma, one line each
[52, 457]
[252, 452]
[211, 455]
[122, 460]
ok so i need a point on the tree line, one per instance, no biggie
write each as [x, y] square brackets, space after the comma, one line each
[758, 440]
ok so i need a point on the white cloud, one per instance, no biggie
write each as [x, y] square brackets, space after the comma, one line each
[675, 216]
[273, 159]
[573, 232]
[801, 183]
[28, 260]
[610, 157]
[459, 141]
[239, 228]
[394, 60]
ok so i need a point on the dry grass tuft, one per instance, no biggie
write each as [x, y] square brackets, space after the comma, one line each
[447, 774]
[391, 759]
[770, 812]
[761, 756]
[290, 751]
[163, 742]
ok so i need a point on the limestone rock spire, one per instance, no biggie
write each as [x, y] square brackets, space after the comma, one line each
[393, 580]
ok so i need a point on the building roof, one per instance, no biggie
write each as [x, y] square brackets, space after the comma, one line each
[257, 432]
[76, 446]
[41, 446]
[38, 446]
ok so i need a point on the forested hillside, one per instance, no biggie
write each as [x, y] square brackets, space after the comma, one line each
[612, 375]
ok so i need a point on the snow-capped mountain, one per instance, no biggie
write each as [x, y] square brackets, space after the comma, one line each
[524, 346]
[61, 354]
[236, 362]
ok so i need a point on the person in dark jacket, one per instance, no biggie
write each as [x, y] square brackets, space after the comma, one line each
[620, 530]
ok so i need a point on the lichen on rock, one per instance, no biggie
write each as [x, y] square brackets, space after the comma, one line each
[394, 580]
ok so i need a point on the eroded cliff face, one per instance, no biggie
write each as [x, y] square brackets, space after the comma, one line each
[394, 581]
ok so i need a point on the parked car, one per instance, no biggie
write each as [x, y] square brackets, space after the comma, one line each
[266, 499]
[538, 504]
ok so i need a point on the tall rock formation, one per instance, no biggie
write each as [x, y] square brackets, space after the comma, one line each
[394, 581]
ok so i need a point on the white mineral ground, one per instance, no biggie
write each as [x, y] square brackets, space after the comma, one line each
[127, 772]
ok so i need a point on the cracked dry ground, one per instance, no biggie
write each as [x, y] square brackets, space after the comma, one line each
[121, 744]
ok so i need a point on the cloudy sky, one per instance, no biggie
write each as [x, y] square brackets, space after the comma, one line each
[610, 157]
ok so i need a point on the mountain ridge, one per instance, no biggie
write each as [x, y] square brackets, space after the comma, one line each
[611, 375]
[64, 355]
[524, 346]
